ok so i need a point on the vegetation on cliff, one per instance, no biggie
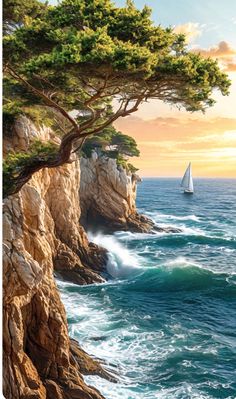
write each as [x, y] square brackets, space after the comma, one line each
[15, 163]
[113, 144]
[83, 54]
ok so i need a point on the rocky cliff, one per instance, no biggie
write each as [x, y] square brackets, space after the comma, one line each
[108, 195]
[42, 234]
[108, 198]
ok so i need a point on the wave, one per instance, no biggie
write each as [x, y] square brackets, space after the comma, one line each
[181, 275]
[185, 230]
[124, 263]
[121, 261]
[129, 236]
[188, 235]
[157, 216]
[181, 222]
[200, 239]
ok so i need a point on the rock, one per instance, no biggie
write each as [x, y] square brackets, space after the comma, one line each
[86, 366]
[108, 196]
[42, 234]
[22, 134]
[168, 229]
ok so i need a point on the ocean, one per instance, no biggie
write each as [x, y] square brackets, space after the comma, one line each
[165, 321]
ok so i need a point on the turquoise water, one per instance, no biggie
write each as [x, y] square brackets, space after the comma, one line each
[165, 322]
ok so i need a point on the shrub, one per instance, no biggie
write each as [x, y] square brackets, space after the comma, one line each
[15, 162]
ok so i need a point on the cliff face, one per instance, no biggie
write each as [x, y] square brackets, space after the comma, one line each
[108, 198]
[108, 195]
[42, 234]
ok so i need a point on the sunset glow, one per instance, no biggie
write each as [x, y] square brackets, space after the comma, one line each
[169, 138]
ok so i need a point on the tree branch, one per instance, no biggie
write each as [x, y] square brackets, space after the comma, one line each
[47, 99]
[118, 114]
[77, 132]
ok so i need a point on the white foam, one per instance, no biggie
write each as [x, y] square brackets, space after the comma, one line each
[157, 216]
[121, 261]
[129, 390]
[127, 236]
[182, 262]
[62, 283]
[184, 230]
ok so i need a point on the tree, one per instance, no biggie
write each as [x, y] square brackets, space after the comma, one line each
[83, 54]
[15, 12]
[125, 145]
[111, 141]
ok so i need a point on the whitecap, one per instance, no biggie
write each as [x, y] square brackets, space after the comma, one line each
[157, 216]
[121, 261]
[181, 261]
[184, 230]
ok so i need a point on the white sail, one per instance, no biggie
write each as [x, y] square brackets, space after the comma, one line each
[187, 181]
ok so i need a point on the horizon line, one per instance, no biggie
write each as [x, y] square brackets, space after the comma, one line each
[180, 177]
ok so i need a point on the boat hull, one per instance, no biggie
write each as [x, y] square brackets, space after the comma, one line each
[188, 192]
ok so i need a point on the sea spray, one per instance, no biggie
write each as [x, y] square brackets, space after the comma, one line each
[121, 261]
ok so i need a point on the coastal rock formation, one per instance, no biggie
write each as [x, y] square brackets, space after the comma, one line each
[108, 198]
[42, 234]
[107, 195]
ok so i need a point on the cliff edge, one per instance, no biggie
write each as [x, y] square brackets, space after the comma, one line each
[108, 196]
[42, 234]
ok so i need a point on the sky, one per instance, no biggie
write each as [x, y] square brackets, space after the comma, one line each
[167, 138]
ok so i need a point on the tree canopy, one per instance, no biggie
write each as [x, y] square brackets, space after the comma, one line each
[112, 143]
[84, 54]
[15, 12]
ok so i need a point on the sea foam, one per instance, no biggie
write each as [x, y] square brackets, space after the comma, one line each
[121, 261]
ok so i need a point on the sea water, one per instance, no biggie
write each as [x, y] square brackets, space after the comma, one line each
[165, 322]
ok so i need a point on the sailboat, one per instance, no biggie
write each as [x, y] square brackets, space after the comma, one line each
[187, 181]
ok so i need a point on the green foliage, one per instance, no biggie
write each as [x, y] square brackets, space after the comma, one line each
[15, 162]
[39, 115]
[17, 101]
[15, 12]
[131, 168]
[120, 161]
[12, 102]
[125, 144]
[79, 44]
[112, 143]
[11, 111]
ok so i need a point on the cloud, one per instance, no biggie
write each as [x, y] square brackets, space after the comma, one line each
[168, 144]
[222, 49]
[191, 30]
[223, 52]
[231, 67]
[177, 128]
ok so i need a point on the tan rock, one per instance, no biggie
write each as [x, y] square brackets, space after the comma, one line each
[42, 233]
[108, 195]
